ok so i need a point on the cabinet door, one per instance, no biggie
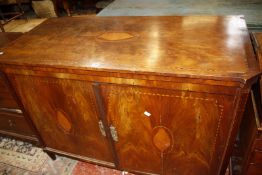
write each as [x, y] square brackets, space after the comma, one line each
[65, 114]
[167, 132]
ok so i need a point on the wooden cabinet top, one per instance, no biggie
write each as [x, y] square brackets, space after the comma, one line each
[7, 37]
[192, 46]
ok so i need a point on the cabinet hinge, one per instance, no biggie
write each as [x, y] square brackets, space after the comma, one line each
[101, 127]
[114, 133]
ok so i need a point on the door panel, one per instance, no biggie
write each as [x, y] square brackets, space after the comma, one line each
[167, 132]
[127, 112]
[65, 114]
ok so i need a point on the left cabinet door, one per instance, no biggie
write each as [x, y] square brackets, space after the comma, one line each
[65, 114]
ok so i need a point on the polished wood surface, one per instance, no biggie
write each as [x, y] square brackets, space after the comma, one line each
[157, 124]
[66, 117]
[257, 43]
[206, 46]
[249, 143]
[12, 120]
[248, 150]
[6, 37]
[246, 136]
[14, 123]
[7, 100]
[257, 37]
[149, 95]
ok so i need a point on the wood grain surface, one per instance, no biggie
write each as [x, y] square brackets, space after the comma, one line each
[175, 131]
[195, 46]
[65, 115]
[149, 95]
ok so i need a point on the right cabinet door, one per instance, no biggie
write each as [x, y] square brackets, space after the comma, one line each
[167, 132]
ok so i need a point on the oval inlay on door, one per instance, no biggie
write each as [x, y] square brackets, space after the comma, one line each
[162, 138]
[63, 121]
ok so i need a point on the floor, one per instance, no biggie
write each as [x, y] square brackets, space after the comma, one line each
[22, 158]
[252, 9]
[22, 25]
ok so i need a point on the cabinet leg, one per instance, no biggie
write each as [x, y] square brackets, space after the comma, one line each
[51, 155]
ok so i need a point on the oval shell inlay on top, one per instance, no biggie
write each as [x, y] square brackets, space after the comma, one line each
[162, 138]
[62, 121]
[115, 36]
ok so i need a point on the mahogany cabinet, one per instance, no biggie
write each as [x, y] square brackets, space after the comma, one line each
[149, 95]
[248, 151]
[12, 121]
